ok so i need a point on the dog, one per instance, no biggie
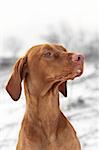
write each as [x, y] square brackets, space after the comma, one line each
[45, 70]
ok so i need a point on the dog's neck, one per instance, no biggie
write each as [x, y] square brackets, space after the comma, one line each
[43, 111]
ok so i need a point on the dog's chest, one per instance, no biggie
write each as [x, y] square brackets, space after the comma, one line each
[62, 143]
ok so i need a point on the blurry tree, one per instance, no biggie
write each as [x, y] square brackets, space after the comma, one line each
[80, 41]
[62, 35]
[53, 36]
[93, 47]
[13, 44]
[66, 35]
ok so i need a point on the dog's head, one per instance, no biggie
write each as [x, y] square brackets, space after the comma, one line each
[45, 66]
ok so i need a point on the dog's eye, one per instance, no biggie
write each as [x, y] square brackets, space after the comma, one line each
[48, 54]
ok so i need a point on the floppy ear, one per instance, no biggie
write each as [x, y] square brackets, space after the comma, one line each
[63, 88]
[13, 86]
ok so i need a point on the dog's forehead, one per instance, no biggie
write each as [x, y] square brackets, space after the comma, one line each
[34, 50]
[53, 47]
[59, 47]
[40, 48]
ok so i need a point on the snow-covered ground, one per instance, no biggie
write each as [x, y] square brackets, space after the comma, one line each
[81, 107]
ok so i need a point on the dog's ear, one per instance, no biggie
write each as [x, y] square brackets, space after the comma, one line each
[63, 88]
[13, 86]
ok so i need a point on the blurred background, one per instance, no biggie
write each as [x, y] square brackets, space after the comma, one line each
[75, 25]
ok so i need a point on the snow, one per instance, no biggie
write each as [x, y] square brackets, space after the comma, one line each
[81, 107]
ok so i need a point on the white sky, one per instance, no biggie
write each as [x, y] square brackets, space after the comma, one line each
[27, 19]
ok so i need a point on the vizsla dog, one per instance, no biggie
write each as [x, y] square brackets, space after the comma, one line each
[45, 69]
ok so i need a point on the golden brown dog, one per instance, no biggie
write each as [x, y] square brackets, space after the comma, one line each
[45, 70]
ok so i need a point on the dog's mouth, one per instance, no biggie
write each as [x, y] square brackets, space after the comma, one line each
[76, 72]
[71, 74]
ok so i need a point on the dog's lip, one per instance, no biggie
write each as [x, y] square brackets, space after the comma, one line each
[76, 73]
[79, 71]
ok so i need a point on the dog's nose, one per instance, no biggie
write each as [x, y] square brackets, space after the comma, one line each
[77, 57]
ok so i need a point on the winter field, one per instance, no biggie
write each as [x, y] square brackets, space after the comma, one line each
[81, 107]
